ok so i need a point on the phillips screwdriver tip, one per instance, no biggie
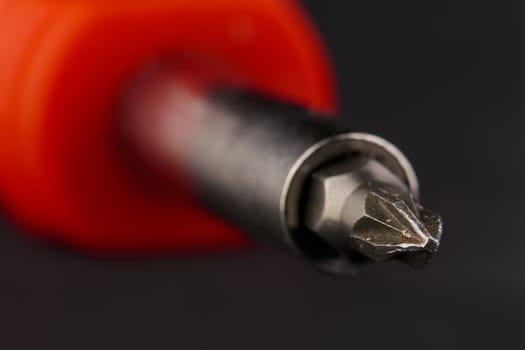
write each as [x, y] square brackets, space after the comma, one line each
[363, 210]
[392, 224]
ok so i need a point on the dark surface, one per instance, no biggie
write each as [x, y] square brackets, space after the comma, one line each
[444, 81]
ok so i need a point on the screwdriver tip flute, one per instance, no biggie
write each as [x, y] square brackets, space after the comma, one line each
[280, 172]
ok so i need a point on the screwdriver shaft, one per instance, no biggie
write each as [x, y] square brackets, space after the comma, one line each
[253, 162]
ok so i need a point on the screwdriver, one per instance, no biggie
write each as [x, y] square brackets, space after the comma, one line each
[173, 126]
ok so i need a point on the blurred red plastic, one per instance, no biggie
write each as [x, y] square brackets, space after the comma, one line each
[63, 67]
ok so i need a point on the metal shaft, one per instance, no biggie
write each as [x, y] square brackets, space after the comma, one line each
[283, 173]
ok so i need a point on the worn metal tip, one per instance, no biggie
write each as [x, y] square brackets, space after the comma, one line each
[392, 225]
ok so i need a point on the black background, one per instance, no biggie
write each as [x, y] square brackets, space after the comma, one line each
[444, 80]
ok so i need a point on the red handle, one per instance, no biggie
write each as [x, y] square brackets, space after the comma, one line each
[63, 67]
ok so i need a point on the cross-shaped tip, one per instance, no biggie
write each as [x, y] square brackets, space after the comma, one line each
[394, 225]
